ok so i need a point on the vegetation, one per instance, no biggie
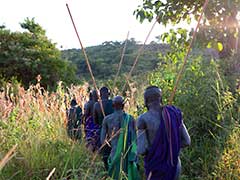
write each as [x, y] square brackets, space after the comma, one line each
[35, 121]
[211, 111]
[208, 93]
[220, 22]
[25, 55]
[105, 59]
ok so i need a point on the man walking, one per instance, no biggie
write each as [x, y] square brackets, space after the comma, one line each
[120, 128]
[98, 119]
[74, 117]
[90, 127]
[161, 134]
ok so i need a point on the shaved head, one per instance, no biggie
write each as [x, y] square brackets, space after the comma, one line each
[151, 94]
[118, 102]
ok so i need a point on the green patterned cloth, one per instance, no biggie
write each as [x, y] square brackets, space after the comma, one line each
[123, 164]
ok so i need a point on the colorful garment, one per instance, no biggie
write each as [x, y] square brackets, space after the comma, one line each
[123, 164]
[91, 133]
[162, 158]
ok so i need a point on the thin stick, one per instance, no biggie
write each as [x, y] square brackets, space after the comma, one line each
[149, 176]
[86, 58]
[121, 60]
[8, 157]
[50, 174]
[138, 55]
[95, 155]
[237, 39]
[185, 58]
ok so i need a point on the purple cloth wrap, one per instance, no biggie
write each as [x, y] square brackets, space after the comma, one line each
[92, 132]
[161, 160]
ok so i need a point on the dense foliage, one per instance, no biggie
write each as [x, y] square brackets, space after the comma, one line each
[25, 55]
[220, 22]
[208, 95]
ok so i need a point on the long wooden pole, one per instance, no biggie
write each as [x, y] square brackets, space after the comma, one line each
[138, 55]
[186, 56]
[121, 60]
[86, 58]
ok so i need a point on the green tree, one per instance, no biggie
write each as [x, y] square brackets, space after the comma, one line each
[220, 22]
[25, 55]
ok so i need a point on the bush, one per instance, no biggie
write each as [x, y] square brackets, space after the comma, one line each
[25, 55]
[209, 107]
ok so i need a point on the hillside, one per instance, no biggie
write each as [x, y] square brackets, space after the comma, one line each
[105, 58]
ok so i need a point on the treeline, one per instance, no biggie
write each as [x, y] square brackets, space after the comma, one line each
[25, 55]
[105, 58]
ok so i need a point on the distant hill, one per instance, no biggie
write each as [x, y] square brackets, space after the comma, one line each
[105, 58]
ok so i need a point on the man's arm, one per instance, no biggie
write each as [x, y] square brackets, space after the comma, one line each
[79, 115]
[103, 131]
[142, 143]
[86, 110]
[185, 138]
[95, 113]
[134, 126]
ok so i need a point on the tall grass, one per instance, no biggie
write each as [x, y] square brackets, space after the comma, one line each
[35, 120]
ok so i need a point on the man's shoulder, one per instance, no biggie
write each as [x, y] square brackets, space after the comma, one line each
[86, 103]
[174, 112]
[129, 115]
[107, 102]
[89, 103]
[79, 108]
[143, 116]
[173, 108]
[110, 116]
[96, 104]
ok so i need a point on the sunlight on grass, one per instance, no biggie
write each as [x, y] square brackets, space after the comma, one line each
[35, 120]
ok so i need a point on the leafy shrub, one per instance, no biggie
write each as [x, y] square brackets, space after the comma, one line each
[208, 106]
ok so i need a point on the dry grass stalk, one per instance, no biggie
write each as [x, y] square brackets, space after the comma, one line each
[8, 157]
[50, 174]
[99, 150]
[46, 109]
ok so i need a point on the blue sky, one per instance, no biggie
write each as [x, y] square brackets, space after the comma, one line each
[97, 20]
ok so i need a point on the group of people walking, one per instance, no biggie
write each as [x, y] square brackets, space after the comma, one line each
[157, 134]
